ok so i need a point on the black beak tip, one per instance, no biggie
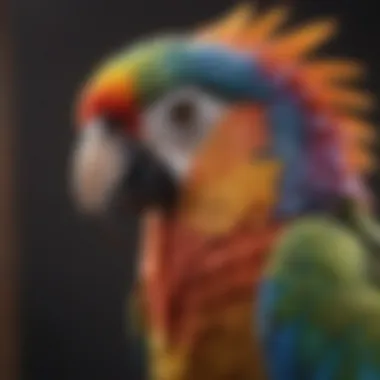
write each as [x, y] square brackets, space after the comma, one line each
[148, 184]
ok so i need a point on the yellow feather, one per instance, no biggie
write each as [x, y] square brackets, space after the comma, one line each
[302, 41]
[228, 27]
[266, 26]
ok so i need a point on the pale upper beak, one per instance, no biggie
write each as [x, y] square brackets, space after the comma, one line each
[107, 170]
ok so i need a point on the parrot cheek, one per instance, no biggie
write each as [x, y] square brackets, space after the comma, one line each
[98, 165]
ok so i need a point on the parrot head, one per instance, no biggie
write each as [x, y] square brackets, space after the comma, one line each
[232, 118]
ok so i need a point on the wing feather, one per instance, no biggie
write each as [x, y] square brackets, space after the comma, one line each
[313, 328]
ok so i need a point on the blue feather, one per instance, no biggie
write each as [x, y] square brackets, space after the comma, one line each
[328, 369]
[231, 74]
[288, 134]
[268, 294]
[280, 344]
[281, 353]
[368, 372]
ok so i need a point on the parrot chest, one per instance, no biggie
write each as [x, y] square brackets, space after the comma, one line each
[201, 324]
[227, 348]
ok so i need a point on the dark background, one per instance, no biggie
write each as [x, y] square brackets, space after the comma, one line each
[74, 281]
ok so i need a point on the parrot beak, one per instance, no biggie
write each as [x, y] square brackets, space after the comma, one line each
[108, 172]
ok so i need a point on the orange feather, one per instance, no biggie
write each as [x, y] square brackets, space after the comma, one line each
[298, 44]
[332, 71]
[229, 27]
[265, 27]
[349, 100]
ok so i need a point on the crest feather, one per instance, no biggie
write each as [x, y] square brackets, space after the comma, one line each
[265, 27]
[302, 41]
[359, 160]
[359, 129]
[332, 71]
[322, 79]
[346, 99]
[228, 28]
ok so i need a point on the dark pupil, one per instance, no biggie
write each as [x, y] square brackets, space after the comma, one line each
[183, 114]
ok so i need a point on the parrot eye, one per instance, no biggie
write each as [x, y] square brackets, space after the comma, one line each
[174, 125]
[183, 115]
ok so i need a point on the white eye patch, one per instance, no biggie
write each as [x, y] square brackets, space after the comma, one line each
[174, 126]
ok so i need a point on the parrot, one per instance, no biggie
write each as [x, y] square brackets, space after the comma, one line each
[244, 154]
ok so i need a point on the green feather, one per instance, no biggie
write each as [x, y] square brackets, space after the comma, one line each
[321, 266]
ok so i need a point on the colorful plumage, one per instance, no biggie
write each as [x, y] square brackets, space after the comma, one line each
[222, 139]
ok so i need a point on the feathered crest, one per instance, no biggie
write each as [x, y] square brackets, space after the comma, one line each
[329, 82]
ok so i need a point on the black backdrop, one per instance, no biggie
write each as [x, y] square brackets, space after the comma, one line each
[74, 282]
